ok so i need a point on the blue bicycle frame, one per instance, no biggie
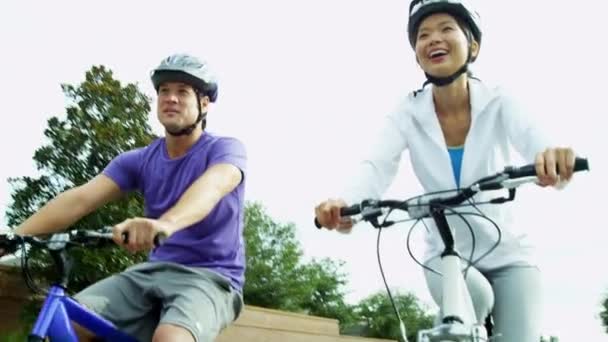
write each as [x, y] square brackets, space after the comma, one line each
[54, 320]
[59, 310]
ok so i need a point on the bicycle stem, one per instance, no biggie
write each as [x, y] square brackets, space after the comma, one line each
[64, 264]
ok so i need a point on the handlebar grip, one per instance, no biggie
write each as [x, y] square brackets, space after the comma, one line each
[7, 246]
[350, 211]
[317, 224]
[158, 238]
[580, 164]
[344, 211]
[10, 243]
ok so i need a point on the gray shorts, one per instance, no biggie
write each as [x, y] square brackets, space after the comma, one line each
[152, 293]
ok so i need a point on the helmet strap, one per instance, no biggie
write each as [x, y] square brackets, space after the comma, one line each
[444, 81]
[201, 117]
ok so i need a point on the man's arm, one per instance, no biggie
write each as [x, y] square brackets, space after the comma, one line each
[193, 206]
[70, 206]
[202, 196]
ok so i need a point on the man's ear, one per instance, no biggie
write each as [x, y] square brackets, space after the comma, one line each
[204, 99]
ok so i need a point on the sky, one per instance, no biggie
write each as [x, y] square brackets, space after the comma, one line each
[303, 82]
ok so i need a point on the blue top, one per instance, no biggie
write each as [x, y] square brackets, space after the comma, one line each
[456, 157]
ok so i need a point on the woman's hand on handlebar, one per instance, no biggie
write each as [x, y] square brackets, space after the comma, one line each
[553, 162]
[327, 214]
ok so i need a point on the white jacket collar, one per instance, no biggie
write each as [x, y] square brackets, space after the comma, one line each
[424, 109]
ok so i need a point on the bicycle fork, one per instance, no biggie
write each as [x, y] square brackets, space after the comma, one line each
[458, 322]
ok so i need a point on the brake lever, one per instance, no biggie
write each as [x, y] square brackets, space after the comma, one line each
[501, 200]
[370, 212]
[514, 183]
[491, 183]
[58, 241]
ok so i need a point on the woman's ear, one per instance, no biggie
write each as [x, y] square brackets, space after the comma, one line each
[474, 50]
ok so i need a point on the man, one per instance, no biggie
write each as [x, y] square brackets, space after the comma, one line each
[193, 185]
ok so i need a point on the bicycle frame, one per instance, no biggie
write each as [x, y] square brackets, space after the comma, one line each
[458, 321]
[54, 320]
[59, 310]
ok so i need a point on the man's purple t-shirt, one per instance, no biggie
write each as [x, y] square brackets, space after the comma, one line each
[216, 242]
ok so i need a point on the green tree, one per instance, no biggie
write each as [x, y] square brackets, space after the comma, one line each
[604, 313]
[277, 276]
[103, 118]
[380, 321]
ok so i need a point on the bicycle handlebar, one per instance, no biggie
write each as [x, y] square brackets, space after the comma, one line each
[10, 242]
[58, 246]
[494, 182]
[580, 164]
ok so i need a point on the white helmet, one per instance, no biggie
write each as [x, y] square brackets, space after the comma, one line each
[421, 9]
[186, 69]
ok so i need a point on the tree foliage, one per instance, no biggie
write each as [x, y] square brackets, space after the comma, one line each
[604, 313]
[278, 277]
[378, 315]
[103, 118]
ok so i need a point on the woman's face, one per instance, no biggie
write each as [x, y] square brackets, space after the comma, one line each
[442, 46]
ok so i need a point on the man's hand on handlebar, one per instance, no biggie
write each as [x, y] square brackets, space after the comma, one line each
[141, 233]
[328, 215]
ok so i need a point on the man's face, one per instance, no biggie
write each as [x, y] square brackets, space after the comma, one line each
[177, 105]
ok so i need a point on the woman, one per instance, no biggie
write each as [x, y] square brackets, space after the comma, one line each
[457, 130]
